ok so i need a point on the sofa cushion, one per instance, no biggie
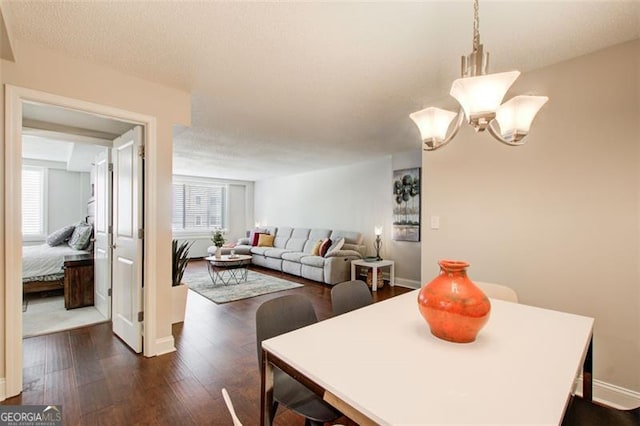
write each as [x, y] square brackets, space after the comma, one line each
[335, 246]
[315, 235]
[256, 238]
[349, 237]
[271, 230]
[282, 236]
[324, 247]
[265, 240]
[299, 237]
[294, 256]
[260, 250]
[316, 261]
[253, 240]
[275, 252]
[316, 248]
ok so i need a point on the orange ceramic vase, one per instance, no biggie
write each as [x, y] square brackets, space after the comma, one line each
[452, 305]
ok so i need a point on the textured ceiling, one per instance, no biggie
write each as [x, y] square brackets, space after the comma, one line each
[280, 88]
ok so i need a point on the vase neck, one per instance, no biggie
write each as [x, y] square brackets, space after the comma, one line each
[453, 266]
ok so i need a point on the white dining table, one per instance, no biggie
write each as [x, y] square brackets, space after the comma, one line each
[521, 369]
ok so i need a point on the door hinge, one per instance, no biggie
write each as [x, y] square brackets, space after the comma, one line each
[141, 151]
[140, 316]
[109, 292]
[110, 167]
[110, 229]
[141, 233]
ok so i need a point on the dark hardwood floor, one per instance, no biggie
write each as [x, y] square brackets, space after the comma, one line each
[98, 380]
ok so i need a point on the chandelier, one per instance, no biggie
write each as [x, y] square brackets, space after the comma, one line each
[480, 96]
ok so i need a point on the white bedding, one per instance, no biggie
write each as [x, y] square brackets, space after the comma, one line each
[43, 260]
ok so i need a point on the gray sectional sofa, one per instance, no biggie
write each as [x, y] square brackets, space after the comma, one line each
[292, 253]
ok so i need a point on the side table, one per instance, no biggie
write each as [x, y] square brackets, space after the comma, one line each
[374, 266]
[78, 281]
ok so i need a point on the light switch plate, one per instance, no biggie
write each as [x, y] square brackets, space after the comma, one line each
[435, 222]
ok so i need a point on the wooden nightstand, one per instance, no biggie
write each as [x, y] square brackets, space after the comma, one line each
[78, 281]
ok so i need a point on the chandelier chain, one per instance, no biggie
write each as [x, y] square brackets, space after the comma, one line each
[476, 24]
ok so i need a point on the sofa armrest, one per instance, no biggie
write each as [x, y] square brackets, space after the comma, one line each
[243, 242]
[344, 253]
[337, 268]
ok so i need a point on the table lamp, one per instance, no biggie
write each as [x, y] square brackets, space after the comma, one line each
[378, 242]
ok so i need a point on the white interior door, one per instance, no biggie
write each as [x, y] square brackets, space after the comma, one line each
[102, 223]
[127, 246]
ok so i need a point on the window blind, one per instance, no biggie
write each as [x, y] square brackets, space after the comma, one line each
[33, 206]
[198, 207]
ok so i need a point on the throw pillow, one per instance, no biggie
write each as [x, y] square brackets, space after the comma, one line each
[324, 247]
[316, 248]
[337, 245]
[81, 236]
[256, 237]
[59, 236]
[252, 235]
[266, 240]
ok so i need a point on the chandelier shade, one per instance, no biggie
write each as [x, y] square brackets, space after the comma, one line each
[516, 115]
[481, 96]
[433, 124]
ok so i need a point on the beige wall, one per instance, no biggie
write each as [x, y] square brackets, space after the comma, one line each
[558, 218]
[50, 72]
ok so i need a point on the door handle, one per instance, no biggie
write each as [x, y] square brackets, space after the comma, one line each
[113, 246]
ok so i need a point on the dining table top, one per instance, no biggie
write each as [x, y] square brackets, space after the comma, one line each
[383, 363]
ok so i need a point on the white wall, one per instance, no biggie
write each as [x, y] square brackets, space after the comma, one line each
[558, 218]
[351, 198]
[67, 194]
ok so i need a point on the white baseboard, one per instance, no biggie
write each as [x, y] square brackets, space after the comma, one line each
[165, 345]
[3, 388]
[612, 395]
[403, 282]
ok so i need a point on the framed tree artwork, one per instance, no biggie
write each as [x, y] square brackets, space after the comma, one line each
[406, 204]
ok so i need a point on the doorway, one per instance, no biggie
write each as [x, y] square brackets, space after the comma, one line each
[15, 99]
[67, 177]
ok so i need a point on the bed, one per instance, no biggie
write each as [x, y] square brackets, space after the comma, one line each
[42, 267]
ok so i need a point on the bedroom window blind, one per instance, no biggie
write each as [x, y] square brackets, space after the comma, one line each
[33, 201]
[198, 207]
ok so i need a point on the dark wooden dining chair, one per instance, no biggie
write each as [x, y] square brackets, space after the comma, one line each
[349, 295]
[587, 413]
[278, 316]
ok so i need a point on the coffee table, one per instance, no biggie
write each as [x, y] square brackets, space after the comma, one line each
[228, 268]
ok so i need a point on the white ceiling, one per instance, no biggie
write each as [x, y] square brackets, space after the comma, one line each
[52, 133]
[280, 88]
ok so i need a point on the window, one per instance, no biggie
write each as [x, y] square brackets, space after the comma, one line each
[198, 206]
[33, 202]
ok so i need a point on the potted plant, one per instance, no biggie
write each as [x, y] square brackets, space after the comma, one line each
[218, 240]
[179, 261]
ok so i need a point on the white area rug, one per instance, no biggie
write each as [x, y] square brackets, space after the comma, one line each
[47, 315]
[257, 284]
